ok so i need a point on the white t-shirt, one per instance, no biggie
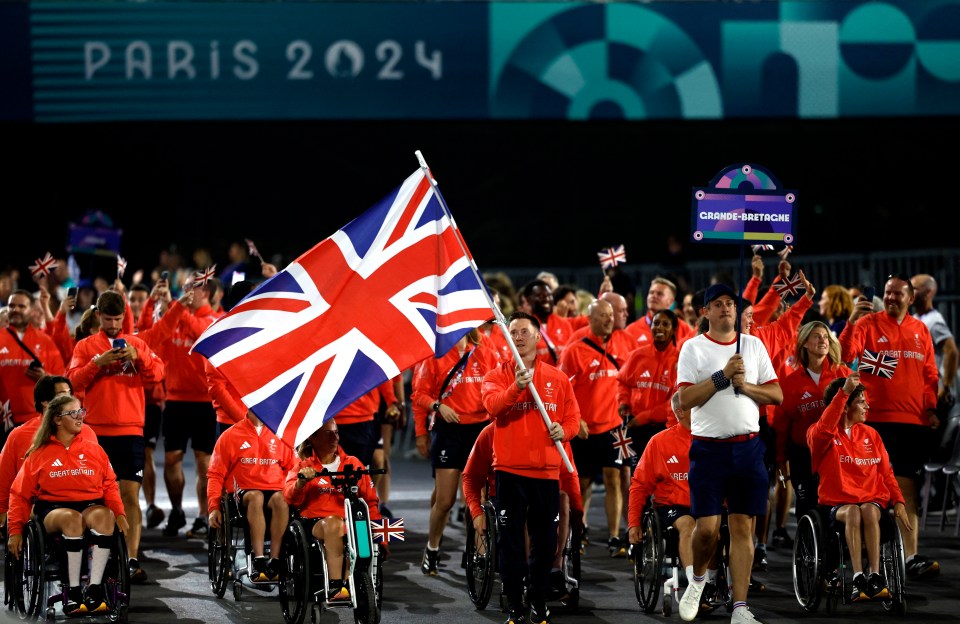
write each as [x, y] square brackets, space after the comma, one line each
[725, 414]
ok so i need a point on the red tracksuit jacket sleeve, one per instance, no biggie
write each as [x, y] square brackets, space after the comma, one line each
[478, 470]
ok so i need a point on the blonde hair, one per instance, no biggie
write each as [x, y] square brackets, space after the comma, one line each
[833, 351]
[47, 427]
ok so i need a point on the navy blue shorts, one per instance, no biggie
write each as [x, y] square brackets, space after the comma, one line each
[450, 443]
[595, 453]
[152, 418]
[668, 514]
[360, 440]
[189, 421]
[734, 472]
[126, 456]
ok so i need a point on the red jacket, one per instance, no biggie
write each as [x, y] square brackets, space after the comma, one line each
[662, 471]
[113, 395]
[646, 381]
[56, 473]
[802, 405]
[640, 330]
[226, 398]
[186, 379]
[364, 408]
[913, 389]
[319, 499]
[15, 386]
[246, 460]
[14, 449]
[521, 443]
[463, 389]
[554, 335]
[853, 468]
[594, 377]
[155, 334]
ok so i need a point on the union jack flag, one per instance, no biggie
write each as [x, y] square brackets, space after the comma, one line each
[758, 248]
[392, 287]
[6, 416]
[121, 265]
[623, 443]
[387, 530]
[882, 365]
[43, 266]
[790, 287]
[612, 256]
[252, 249]
[202, 277]
[783, 253]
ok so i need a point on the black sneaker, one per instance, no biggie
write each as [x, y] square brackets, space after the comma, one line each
[175, 521]
[154, 516]
[429, 564]
[760, 558]
[920, 568]
[199, 528]
[274, 568]
[539, 617]
[515, 618]
[859, 589]
[259, 574]
[557, 586]
[782, 539]
[616, 547]
[708, 599]
[877, 587]
[74, 604]
[137, 574]
[94, 600]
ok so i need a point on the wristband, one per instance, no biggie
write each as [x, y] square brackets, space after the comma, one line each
[720, 381]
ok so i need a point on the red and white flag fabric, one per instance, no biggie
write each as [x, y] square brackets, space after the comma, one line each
[252, 249]
[758, 248]
[879, 364]
[623, 443]
[121, 265]
[6, 416]
[612, 256]
[387, 530]
[42, 267]
[790, 287]
[200, 278]
[394, 286]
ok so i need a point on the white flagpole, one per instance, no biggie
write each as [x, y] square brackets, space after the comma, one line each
[500, 320]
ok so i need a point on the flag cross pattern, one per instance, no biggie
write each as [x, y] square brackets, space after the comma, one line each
[392, 287]
[387, 530]
[612, 256]
[790, 287]
[200, 278]
[879, 364]
[42, 267]
[623, 443]
[121, 265]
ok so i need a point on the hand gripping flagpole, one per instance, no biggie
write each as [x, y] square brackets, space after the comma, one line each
[500, 320]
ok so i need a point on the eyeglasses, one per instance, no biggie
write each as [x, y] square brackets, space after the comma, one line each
[898, 276]
[76, 414]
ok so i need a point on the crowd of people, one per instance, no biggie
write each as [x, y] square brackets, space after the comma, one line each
[719, 401]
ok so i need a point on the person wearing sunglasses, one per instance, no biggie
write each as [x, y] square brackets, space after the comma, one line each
[76, 491]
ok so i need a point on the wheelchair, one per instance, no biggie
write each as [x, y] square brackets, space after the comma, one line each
[821, 571]
[229, 556]
[303, 581]
[656, 565]
[40, 579]
[481, 558]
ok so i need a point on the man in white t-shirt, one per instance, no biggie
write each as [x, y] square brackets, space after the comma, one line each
[723, 377]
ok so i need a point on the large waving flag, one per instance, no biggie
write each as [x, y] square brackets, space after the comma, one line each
[392, 287]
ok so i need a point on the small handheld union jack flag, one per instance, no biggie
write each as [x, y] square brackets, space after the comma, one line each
[783, 253]
[758, 248]
[623, 444]
[6, 416]
[790, 287]
[879, 364]
[612, 256]
[200, 278]
[121, 265]
[252, 249]
[43, 267]
[387, 530]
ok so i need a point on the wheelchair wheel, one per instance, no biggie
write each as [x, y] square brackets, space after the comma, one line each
[571, 568]
[367, 611]
[13, 583]
[294, 587]
[648, 563]
[480, 550]
[808, 562]
[34, 575]
[893, 563]
[219, 555]
[116, 579]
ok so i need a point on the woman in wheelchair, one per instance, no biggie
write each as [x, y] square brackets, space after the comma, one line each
[321, 502]
[75, 490]
[856, 479]
[256, 461]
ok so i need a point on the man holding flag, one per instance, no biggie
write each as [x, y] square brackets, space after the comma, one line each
[902, 383]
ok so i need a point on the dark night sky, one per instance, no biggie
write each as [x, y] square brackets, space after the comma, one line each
[524, 193]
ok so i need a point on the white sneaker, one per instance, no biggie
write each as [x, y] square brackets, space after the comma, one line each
[742, 615]
[690, 603]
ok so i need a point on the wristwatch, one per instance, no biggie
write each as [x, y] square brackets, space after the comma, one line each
[436, 406]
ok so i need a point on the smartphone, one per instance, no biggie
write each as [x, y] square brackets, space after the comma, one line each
[869, 292]
[119, 343]
[72, 292]
[165, 275]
